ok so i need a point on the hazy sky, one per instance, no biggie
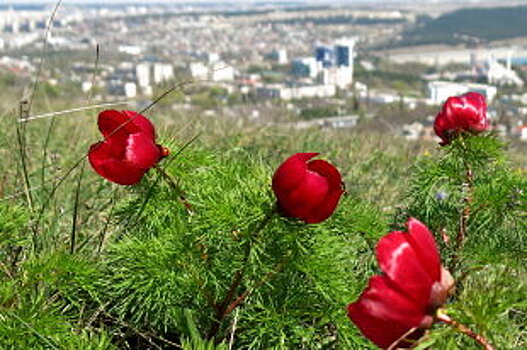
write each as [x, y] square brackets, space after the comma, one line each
[7, 2]
[2, 2]
[127, 1]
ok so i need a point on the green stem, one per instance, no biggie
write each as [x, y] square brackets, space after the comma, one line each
[468, 191]
[467, 200]
[172, 182]
[223, 308]
[73, 236]
[238, 301]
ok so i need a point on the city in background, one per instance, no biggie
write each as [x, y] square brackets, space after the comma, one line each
[368, 66]
[196, 254]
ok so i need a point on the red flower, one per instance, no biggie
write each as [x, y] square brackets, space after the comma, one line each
[309, 191]
[400, 304]
[465, 113]
[128, 149]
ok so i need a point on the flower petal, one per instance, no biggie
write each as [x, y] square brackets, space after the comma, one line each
[309, 191]
[142, 123]
[307, 196]
[424, 245]
[383, 314]
[328, 171]
[141, 151]
[112, 122]
[291, 172]
[325, 209]
[401, 264]
[476, 111]
[467, 112]
[102, 159]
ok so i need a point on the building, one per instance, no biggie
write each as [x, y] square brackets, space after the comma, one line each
[221, 71]
[130, 89]
[279, 56]
[344, 62]
[142, 73]
[285, 92]
[333, 122]
[119, 88]
[325, 55]
[199, 71]
[439, 91]
[500, 74]
[341, 77]
[163, 72]
[130, 49]
[344, 52]
[523, 133]
[212, 57]
[306, 67]
[335, 64]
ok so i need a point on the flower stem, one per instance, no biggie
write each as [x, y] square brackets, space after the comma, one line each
[238, 301]
[482, 341]
[468, 190]
[224, 308]
[467, 200]
[172, 182]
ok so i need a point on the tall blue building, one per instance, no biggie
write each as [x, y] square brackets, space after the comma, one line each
[344, 53]
[326, 55]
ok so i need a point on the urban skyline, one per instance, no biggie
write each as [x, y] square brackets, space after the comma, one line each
[326, 62]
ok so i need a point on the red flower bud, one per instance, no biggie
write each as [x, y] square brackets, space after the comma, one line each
[400, 304]
[309, 191]
[465, 113]
[128, 149]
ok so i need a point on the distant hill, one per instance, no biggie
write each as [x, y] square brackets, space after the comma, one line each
[484, 23]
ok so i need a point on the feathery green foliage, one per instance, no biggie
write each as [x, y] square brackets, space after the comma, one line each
[170, 262]
[146, 273]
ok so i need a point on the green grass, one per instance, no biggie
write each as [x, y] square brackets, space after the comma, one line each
[144, 273]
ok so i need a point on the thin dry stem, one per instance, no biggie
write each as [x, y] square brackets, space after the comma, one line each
[233, 330]
[393, 346]
[42, 53]
[481, 340]
[73, 110]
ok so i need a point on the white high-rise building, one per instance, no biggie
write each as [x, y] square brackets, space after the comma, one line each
[344, 61]
[163, 72]
[280, 56]
[142, 73]
[130, 89]
[199, 71]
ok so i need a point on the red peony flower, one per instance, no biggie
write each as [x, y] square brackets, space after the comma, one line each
[309, 191]
[128, 149]
[465, 113]
[397, 306]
